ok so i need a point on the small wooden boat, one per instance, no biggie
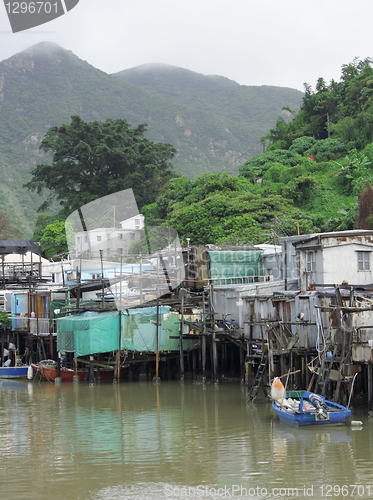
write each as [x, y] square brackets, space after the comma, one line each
[20, 371]
[47, 370]
[306, 408]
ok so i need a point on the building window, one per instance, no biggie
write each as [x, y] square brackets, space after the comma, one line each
[137, 223]
[98, 238]
[363, 261]
[120, 251]
[132, 236]
[120, 236]
[311, 263]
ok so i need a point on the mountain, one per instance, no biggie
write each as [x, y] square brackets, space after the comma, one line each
[219, 122]
[214, 123]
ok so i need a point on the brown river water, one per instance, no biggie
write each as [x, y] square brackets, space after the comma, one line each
[139, 440]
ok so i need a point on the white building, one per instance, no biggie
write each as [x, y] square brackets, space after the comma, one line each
[332, 258]
[112, 242]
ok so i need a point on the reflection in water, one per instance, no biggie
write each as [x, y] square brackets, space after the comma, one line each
[142, 440]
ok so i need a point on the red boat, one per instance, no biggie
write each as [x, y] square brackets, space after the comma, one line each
[47, 370]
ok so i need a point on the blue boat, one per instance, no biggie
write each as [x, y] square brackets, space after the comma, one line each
[307, 408]
[22, 371]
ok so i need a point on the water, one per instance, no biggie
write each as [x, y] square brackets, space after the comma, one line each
[144, 441]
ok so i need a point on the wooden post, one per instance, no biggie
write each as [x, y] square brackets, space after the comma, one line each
[58, 379]
[102, 280]
[75, 377]
[282, 364]
[215, 358]
[51, 326]
[204, 340]
[78, 291]
[242, 364]
[370, 387]
[181, 338]
[214, 346]
[117, 359]
[91, 376]
[249, 354]
[157, 379]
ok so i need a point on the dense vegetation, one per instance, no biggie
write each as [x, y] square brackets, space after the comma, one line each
[316, 174]
[310, 179]
[213, 123]
[94, 159]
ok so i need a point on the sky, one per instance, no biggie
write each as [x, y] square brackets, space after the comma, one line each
[264, 42]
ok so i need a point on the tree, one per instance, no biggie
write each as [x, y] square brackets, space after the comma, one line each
[53, 242]
[94, 159]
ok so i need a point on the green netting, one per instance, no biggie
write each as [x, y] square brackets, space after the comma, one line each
[92, 332]
[243, 266]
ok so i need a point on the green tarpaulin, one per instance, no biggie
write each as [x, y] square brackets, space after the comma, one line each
[92, 332]
[235, 266]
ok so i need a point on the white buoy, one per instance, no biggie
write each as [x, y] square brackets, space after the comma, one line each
[30, 373]
[277, 390]
[356, 422]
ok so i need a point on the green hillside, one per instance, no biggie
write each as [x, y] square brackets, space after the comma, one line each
[214, 123]
[315, 176]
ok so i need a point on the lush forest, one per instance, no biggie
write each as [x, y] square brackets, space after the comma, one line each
[315, 174]
[212, 122]
[315, 171]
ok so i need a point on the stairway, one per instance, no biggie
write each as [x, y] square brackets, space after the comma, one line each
[326, 366]
[258, 380]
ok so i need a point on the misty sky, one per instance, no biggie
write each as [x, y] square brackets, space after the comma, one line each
[264, 42]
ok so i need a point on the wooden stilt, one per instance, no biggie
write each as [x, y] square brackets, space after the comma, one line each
[182, 373]
[242, 365]
[204, 340]
[157, 379]
[75, 377]
[214, 345]
[370, 388]
[91, 377]
[215, 358]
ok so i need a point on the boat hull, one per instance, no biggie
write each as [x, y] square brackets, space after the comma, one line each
[14, 371]
[49, 373]
[337, 414]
